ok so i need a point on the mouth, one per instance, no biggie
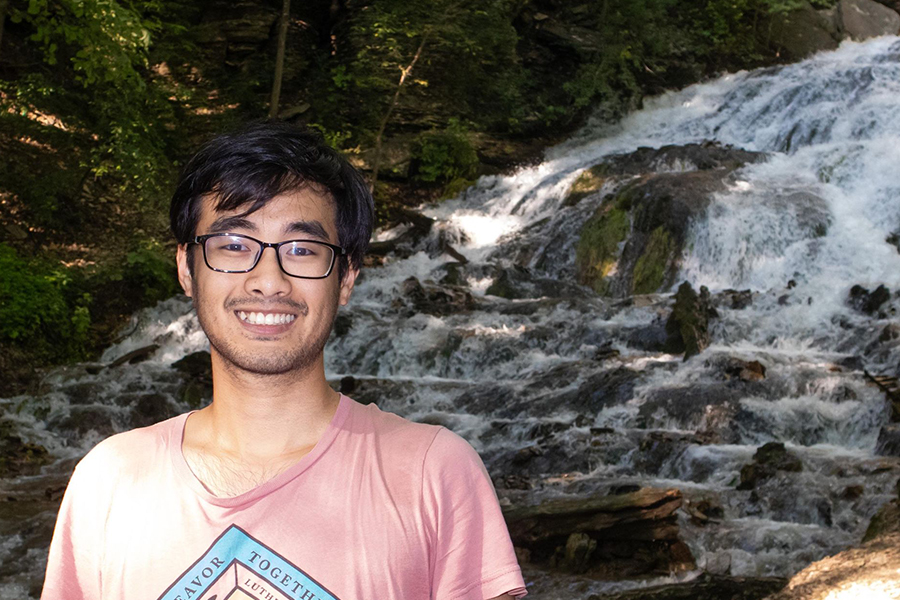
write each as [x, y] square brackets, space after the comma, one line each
[259, 322]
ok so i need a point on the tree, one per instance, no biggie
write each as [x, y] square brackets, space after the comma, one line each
[279, 58]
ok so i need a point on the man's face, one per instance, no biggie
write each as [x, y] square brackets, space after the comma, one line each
[303, 309]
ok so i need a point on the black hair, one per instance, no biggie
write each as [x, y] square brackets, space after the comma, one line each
[259, 161]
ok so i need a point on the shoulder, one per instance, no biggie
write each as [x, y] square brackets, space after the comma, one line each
[132, 448]
[390, 429]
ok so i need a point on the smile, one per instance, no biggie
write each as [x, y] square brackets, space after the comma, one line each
[263, 318]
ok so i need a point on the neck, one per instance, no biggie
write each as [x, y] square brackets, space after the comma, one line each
[259, 418]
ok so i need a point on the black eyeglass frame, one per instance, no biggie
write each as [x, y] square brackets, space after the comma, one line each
[336, 251]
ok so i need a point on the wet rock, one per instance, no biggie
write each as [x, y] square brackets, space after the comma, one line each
[135, 356]
[868, 302]
[196, 364]
[735, 300]
[414, 229]
[686, 404]
[705, 510]
[508, 283]
[890, 333]
[342, 324]
[888, 440]
[79, 420]
[433, 299]
[454, 274]
[601, 389]
[633, 243]
[863, 19]
[634, 533]
[151, 408]
[769, 459]
[649, 338]
[688, 325]
[18, 457]
[736, 368]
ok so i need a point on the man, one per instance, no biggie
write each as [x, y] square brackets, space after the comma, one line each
[281, 488]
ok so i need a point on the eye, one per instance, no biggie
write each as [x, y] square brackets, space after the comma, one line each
[299, 250]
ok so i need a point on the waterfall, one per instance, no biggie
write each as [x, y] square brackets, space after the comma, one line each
[570, 376]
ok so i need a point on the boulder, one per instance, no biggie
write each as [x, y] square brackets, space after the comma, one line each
[688, 325]
[633, 242]
[863, 19]
[869, 571]
[868, 302]
[769, 459]
[802, 32]
[434, 299]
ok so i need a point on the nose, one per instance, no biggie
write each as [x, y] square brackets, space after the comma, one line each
[267, 278]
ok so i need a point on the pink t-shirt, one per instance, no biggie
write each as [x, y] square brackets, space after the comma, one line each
[381, 508]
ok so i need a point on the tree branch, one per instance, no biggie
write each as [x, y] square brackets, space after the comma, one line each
[404, 73]
[279, 57]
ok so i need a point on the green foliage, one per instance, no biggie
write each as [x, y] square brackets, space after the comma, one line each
[446, 155]
[151, 268]
[34, 310]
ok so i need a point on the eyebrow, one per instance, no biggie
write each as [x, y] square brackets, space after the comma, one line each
[225, 224]
[314, 228]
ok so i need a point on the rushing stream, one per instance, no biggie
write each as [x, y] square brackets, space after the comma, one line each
[559, 389]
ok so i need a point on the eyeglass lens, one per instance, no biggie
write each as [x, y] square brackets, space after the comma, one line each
[238, 253]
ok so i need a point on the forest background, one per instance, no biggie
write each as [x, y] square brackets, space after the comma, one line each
[101, 102]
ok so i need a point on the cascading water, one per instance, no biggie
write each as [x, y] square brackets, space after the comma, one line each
[554, 388]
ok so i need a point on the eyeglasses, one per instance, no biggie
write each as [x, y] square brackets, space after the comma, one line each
[232, 253]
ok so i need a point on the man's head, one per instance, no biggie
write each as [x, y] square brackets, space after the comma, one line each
[272, 184]
[245, 169]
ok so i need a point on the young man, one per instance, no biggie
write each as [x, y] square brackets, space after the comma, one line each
[281, 488]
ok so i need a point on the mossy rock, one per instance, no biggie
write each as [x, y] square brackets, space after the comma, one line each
[650, 269]
[590, 181]
[597, 252]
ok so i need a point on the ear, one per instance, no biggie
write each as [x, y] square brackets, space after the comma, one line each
[347, 284]
[184, 271]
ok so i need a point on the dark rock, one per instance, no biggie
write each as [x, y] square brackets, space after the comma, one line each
[79, 420]
[197, 364]
[868, 302]
[433, 299]
[853, 492]
[736, 300]
[769, 459]
[342, 324]
[18, 457]
[649, 338]
[888, 440]
[688, 325]
[454, 274]
[151, 408]
[135, 356]
[348, 385]
[890, 333]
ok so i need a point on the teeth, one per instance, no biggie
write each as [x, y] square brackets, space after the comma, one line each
[258, 318]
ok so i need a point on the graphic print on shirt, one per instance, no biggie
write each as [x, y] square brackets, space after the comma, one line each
[239, 567]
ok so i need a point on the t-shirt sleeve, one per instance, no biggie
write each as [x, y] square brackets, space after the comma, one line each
[73, 565]
[473, 557]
